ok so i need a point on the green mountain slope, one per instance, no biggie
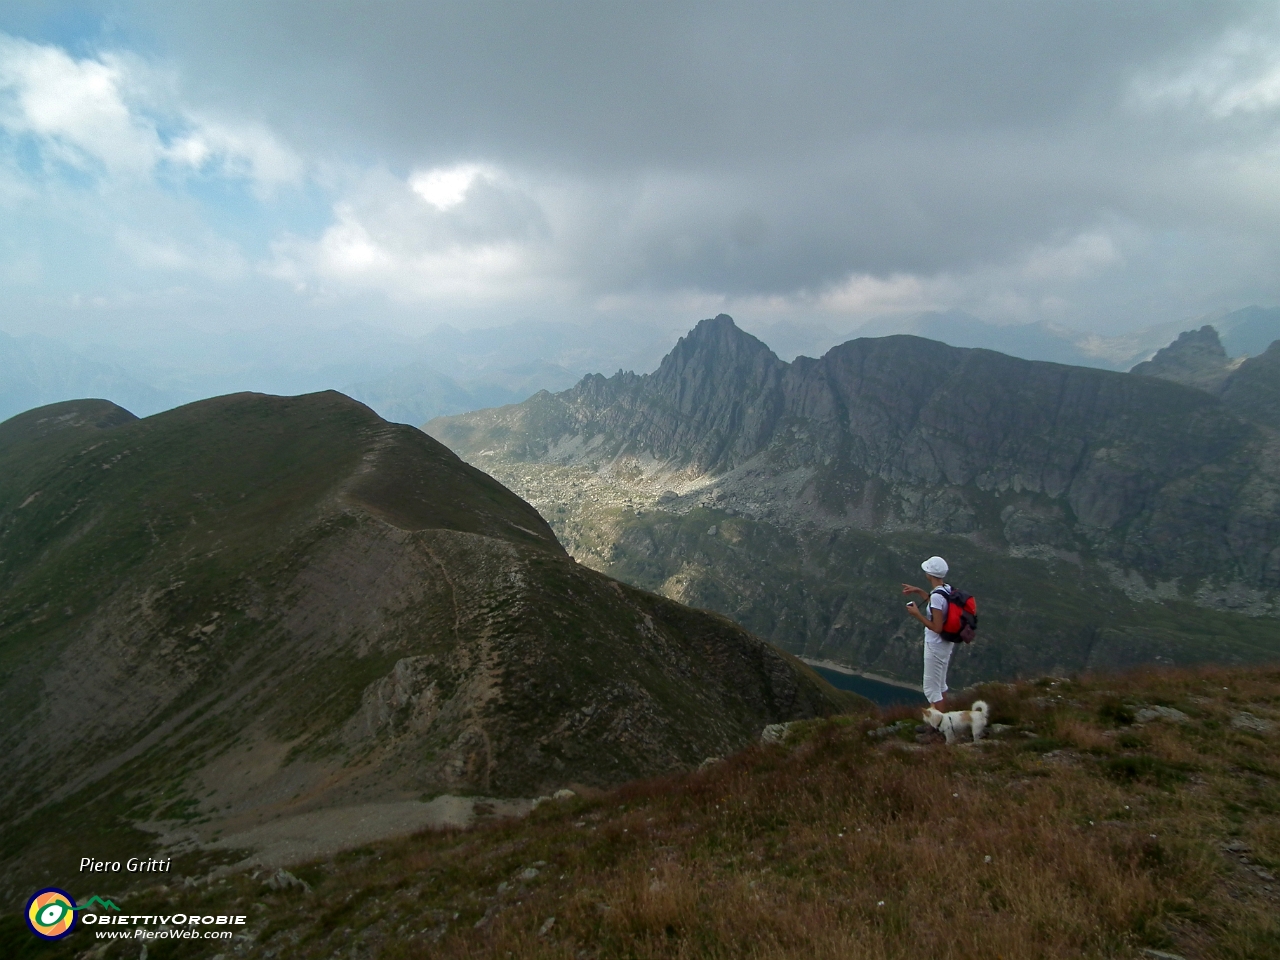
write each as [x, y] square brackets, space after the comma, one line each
[256, 606]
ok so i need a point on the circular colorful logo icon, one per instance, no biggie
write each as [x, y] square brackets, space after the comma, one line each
[51, 913]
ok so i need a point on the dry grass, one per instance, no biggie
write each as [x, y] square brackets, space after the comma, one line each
[1074, 834]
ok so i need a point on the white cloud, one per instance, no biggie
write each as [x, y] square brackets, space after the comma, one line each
[207, 255]
[74, 108]
[869, 164]
[445, 187]
[1239, 75]
[461, 233]
[99, 115]
[14, 188]
[247, 151]
[1021, 289]
[863, 295]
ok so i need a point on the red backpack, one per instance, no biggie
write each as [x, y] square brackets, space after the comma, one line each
[961, 622]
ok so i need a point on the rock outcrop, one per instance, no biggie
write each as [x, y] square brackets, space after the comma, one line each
[1253, 389]
[1196, 359]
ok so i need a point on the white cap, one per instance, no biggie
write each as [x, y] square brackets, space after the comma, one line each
[935, 567]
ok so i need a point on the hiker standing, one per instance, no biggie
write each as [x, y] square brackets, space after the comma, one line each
[937, 651]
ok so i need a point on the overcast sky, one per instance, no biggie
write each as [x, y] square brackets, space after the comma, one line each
[1100, 165]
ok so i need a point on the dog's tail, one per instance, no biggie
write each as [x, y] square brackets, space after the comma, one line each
[980, 706]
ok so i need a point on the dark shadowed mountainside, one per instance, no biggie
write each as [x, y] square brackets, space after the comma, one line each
[1105, 519]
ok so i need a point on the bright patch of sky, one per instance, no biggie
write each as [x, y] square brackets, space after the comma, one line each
[445, 187]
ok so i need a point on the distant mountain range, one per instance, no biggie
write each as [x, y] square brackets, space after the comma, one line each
[469, 370]
[253, 607]
[1244, 332]
[35, 371]
[411, 379]
[418, 392]
[405, 379]
[794, 497]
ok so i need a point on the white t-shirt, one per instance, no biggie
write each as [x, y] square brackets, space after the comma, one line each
[937, 602]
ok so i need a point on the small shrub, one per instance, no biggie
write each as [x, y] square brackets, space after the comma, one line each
[1084, 736]
[1160, 772]
[1115, 711]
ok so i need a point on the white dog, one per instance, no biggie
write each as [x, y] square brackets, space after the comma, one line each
[959, 722]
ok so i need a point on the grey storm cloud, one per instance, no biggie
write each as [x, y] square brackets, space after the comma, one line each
[691, 85]
[753, 148]
[777, 150]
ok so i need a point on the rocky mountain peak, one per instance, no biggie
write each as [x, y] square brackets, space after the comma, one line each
[1249, 386]
[717, 345]
[718, 390]
[1196, 359]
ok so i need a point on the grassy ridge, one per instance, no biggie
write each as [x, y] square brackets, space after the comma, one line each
[167, 547]
[261, 605]
[1080, 831]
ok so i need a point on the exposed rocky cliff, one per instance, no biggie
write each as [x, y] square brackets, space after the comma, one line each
[1128, 487]
[256, 605]
[900, 432]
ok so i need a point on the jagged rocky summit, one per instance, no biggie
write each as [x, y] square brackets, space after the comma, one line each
[254, 605]
[1248, 386]
[795, 492]
[901, 431]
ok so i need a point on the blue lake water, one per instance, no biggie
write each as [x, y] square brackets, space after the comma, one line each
[882, 694]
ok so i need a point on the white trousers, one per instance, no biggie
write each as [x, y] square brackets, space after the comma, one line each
[936, 658]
